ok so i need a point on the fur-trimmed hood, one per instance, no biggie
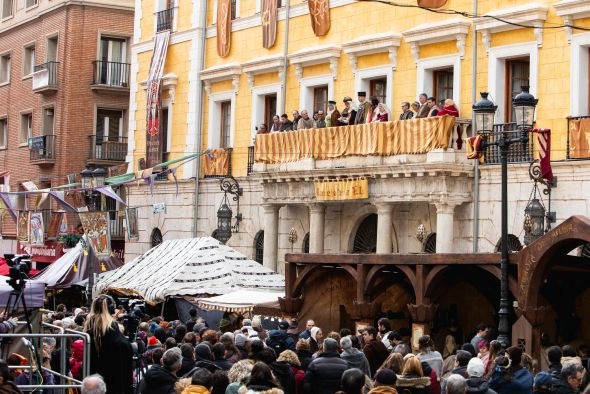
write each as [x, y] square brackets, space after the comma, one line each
[413, 381]
[253, 390]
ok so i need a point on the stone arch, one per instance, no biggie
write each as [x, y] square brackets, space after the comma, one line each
[353, 225]
[373, 274]
[156, 238]
[430, 244]
[259, 247]
[310, 269]
[305, 243]
[514, 244]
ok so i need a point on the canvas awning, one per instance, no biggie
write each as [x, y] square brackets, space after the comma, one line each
[34, 293]
[242, 301]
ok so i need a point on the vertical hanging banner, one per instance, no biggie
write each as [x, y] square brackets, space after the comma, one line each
[223, 27]
[96, 228]
[319, 11]
[53, 225]
[154, 97]
[22, 227]
[63, 224]
[431, 3]
[37, 230]
[131, 219]
[269, 23]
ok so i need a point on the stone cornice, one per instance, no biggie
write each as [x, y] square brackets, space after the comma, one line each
[430, 33]
[571, 10]
[387, 42]
[316, 55]
[263, 65]
[223, 72]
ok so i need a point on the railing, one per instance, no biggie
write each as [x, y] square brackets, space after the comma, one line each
[117, 226]
[517, 152]
[42, 148]
[45, 75]
[250, 160]
[108, 148]
[164, 20]
[112, 74]
[461, 131]
[222, 174]
[575, 150]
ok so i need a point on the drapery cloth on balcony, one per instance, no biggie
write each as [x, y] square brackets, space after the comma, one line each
[579, 138]
[216, 162]
[371, 139]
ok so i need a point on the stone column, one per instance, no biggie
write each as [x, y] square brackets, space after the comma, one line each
[384, 219]
[271, 235]
[444, 228]
[317, 213]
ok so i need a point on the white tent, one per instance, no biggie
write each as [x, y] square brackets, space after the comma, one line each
[241, 301]
[194, 266]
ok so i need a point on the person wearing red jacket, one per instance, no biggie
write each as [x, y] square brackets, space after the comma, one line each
[449, 109]
[76, 359]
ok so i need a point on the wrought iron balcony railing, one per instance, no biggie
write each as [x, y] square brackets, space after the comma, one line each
[42, 149]
[164, 20]
[517, 153]
[110, 74]
[106, 148]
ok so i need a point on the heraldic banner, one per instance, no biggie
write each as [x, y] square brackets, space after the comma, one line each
[269, 23]
[345, 189]
[154, 96]
[319, 11]
[96, 228]
[223, 27]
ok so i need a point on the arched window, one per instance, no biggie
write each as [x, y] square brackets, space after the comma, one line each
[514, 244]
[365, 240]
[430, 243]
[156, 237]
[259, 247]
[306, 243]
[585, 252]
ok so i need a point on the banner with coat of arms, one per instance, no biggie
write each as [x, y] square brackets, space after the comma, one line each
[319, 11]
[269, 23]
[223, 27]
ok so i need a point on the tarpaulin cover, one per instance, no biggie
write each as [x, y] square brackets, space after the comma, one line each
[241, 301]
[33, 294]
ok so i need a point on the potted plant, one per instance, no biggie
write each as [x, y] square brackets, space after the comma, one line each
[70, 240]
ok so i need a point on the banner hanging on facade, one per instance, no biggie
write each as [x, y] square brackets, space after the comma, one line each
[96, 228]
[269, 23]
[154, 97]
[53, 225]
[431, 3]
[131, 219]
[319, 11]
[22, 228]
[345, 189]
[223, 27]
[37, 232]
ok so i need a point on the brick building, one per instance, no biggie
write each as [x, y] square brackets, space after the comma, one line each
[64, 93]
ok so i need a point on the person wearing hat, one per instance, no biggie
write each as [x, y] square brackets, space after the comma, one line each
[354, 357]
[279, 340]
[543, 383]
[384, 382]
[511, 377]
[332, 114]
[363, 108]
[324, 373]
[153, 343]
[348, 115]
[476, 383]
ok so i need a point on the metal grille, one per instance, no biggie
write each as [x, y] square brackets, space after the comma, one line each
[365, 240]
[430, 244]
[250, 160]
[156, 237]
[306, 243]
[259, 247]
[514, 244]
[517, 153]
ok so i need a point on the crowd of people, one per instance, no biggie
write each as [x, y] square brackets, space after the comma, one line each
[188, 357]
[358, 112]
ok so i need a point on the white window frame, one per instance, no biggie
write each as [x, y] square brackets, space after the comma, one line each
[4, 133]
[214, 21]
[364, 76]
[426, 68]
[48, 38]
[29, 132]
[6, 17]
[306, 90]
[159, 5]
[168, 104]
[258, 104]
[497, 71]
[579, 67]
[28, 7]
[214, 121]
[8, 72]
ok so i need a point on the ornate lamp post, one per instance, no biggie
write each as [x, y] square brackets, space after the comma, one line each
[224, 230]
[524, 108]
[86, 177]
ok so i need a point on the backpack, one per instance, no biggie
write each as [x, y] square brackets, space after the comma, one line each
[277, 344]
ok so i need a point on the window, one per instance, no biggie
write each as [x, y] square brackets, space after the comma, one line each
[29, 60]
[379, 89]
[7, 8]
[270, 109]
[31, 3]
[109, 124]
[3, 133]
[5, 68]
[225, 125]
[48, 120]
[164, 134]
[156, 238]
[517, 75]
[234, 9]
[259, 247]
[443, 84]
[26, 128]
[430, 244]
[320, 99]
[51, 55]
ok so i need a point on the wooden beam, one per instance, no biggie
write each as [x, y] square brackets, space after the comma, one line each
[397, 259]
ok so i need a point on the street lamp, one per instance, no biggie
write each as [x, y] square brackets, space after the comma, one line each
[224, 214]
[223, 233]
[86, 178]
[485, 111]
[534, 219]
[99, 175]
[524, 106]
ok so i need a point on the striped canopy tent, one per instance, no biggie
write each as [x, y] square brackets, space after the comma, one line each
[189, 267]
[244, 301]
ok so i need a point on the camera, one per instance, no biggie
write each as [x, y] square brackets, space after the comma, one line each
[20, 267]
[135, 311]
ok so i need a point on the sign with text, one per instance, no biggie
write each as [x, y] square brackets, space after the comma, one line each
[47, 253]
[344, 189]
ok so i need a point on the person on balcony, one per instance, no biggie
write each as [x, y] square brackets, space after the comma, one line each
[363, 108]
[449, 109]
[321, 121]
[433, 107]
[424, 107]
[296, 118]
[348, 115]
[332, 114]
[406, 111]
[382, 114]
[262, 129]
[286, 124]
[372, 109]
[305, 122]
[276, 124]
[415, 108]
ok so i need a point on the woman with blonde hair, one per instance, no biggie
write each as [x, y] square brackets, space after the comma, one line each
[110, 351]
[395, 362]
[412, 380]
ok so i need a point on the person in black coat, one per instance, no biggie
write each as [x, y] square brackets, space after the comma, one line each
[188, 358]
[219, 357]
[160, 379]
[325, 372]
[111, 355]
[280, 369]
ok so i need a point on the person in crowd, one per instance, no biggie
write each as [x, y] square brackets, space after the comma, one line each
[415, 107]
[554, 355]
[296, 117]
[321, 122]
[424, 107]
[412, 379]
[509, 376]
[286, 124]
[429, 354]
[382, 113]
[110, 351]
[406, 112]
[332, 115]
[315, 339]
[293, 330]
[363, 108]
[180, 332]
[7, 386]
[545, 345]
[484, 353]
[434, 382]
[303, 353]
[305, 122]
[220, 382]
[456, 385]
[257, 326]
[204, 358]
[201, 382]
[571, 379]
[449, 109]
[192, 319]
[276, 124]
[570, 356]
[279, 340]
[93, 384]
[218, 351]
[261, 381]
[462, 359]
[543, 383]
[433, 107]
[305, 334]
[354, 357]
[352, 382]
[187, 352]
[262, 129]
[77, 359]
[241, 341]
[476, 382]
[324, 372]
[237, 374]
[374, 349]
[395, 339]
[160, 379]
[37, 376]
[495, 351]
[348, 115]
[482, 333]
[281, 370]
[395, 362]
[315, 117]
[384, 382]
[372, 109]
[289, 357]
[170, 343]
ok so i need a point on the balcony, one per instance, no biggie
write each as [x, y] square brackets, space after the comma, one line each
[116, 226]
[217, 163]
[578, 138]
[165, 20]
[110, 76]
[42, 150]
[45, 78]
[106, 150]
[517, 153]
